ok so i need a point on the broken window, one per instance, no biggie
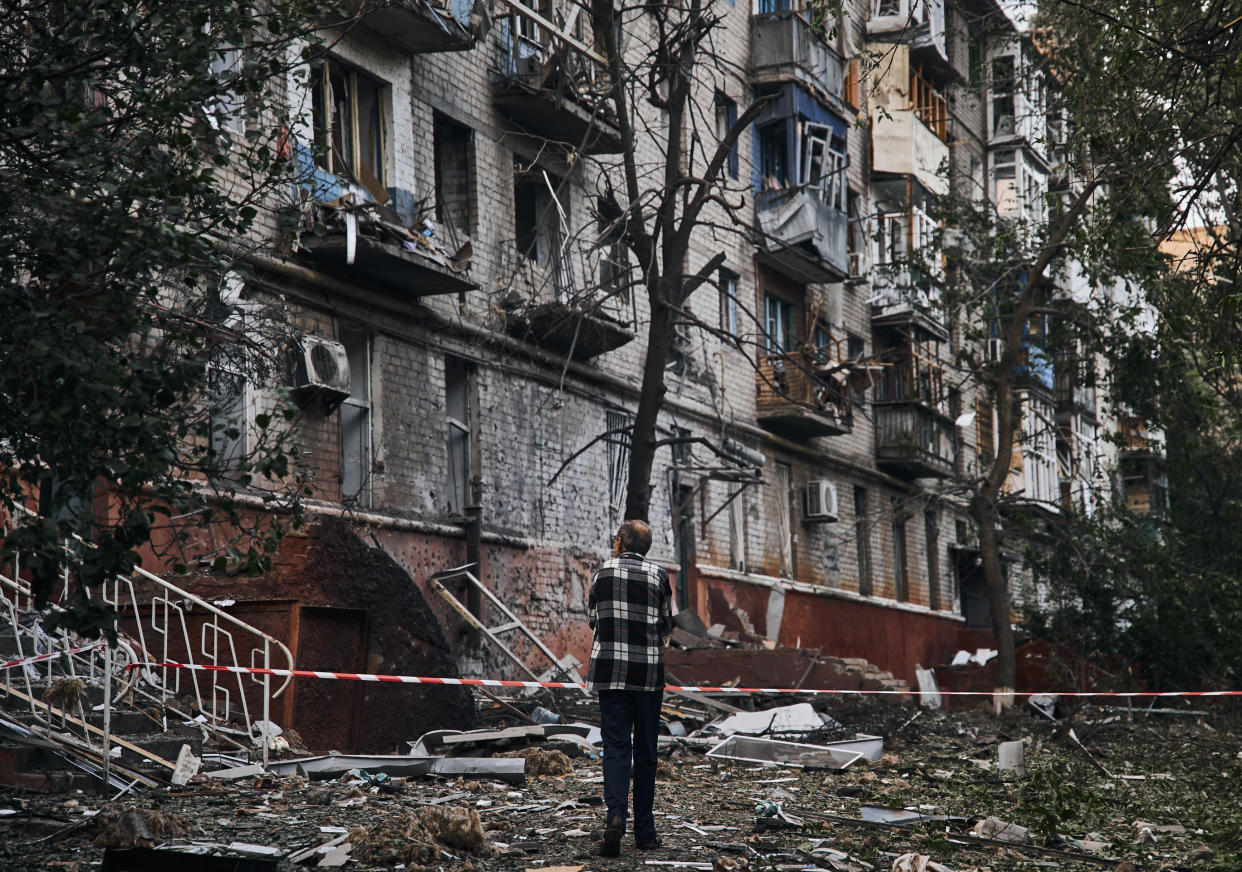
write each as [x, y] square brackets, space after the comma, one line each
[540, 220]
[454, 171]
[928, 103]
[728, 303]
[457, 375]
[862, 540]
[823, 167]
[782, 487]
[780, 323]
[915, 373]
[931, 524]
[901, 575]
[348, 116]
[356, 420]
[618, 423]
[737, 532]
[726, 117]
[229, 401]
[985, 430]
[226, 109]
[890, 238]
[773, 157]
[1003, 96]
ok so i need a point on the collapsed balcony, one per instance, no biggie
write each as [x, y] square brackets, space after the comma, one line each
[795, 396]
[371, 242]
[550, 81]
[548, 306]
[421, 26]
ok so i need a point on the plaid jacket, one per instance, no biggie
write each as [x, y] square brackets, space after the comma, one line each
[630, 610]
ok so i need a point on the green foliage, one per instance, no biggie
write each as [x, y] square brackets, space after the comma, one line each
[125, 163]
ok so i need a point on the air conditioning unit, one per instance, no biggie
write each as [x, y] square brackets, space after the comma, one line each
[322, 372]
[856, 264]
[819, 502]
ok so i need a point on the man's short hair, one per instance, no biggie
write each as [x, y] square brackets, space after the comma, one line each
[635, 536]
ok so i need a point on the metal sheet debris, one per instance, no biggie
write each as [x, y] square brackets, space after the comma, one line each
[797, 719]
[754, 749]
[509, 769]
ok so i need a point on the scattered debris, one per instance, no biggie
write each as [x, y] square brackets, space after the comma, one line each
[121, 827]
[1002, 831]
[540, 762]
[1010, 757]
[774, 752]
[918, 863]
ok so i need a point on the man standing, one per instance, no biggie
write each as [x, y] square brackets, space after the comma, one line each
[631, 612]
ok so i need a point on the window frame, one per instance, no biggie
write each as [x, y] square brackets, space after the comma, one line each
[322, 74]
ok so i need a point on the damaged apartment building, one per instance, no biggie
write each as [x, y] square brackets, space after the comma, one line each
[472, 338]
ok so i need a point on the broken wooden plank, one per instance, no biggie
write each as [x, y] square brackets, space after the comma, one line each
[90, 728]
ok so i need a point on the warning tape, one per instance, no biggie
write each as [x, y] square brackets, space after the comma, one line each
[570, 685]
[39, 658]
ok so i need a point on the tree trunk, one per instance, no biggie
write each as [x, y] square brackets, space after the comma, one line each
[650, 402]
[983, 510]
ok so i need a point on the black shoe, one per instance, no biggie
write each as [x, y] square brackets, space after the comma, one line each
[649, 845]
[611, 846]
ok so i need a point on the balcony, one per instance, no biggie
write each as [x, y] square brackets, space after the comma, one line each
[346, 231]
[783, 48]
[905, 145]
[916, 23]
[553, 84]
[794, 399]
[804, 236]
[902, 296]
[546, 307]
[421, 26]
[914, 441]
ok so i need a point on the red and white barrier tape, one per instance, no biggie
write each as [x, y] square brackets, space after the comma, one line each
[39, 658]
[568, 685]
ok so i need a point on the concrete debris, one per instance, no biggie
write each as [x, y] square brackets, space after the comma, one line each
[929, 692]
[1002, 831]
[720, 806]
[1010, 757]
[121, 827]
[918, 863]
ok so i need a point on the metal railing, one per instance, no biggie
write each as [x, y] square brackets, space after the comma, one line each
[158, 622]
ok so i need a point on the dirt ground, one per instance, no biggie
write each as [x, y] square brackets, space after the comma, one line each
[1151, 792]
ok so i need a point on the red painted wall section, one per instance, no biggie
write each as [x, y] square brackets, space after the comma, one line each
[891, 638]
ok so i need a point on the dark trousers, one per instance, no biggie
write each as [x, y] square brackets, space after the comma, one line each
[624, 713]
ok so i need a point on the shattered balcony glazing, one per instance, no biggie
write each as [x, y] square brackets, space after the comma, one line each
[553, 302]
[804, 236]
[784, 48]
[551, 82]
[796, 397]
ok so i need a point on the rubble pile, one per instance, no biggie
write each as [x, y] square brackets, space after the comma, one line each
[1098, 789]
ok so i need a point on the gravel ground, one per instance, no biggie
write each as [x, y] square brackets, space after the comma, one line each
[1154, 793]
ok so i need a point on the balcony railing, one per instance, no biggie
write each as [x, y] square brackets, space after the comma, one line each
[794, 396]
[914, 441]
[552, 83]
[549, 305]
[804, 235]
[784, 48]
[903, 293]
